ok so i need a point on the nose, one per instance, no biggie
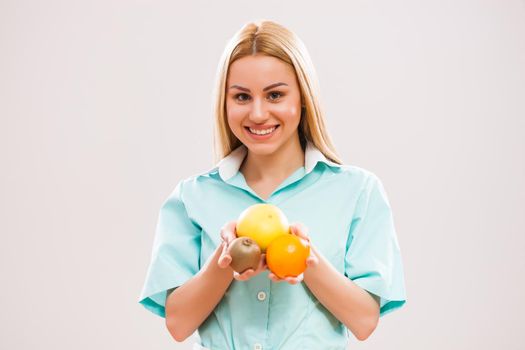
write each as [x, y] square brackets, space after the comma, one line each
[258, 112]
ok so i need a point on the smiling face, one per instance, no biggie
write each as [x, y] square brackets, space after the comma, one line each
[263, 94]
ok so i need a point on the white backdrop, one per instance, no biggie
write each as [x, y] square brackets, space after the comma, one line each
[106, 105]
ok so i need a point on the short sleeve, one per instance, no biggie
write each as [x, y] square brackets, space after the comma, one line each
[373, 257]
[175, 254]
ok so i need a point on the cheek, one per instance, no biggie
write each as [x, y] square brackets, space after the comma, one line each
[234, 112]
[287, 111]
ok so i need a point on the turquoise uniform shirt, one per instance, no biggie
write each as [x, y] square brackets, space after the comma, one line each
[350, 222]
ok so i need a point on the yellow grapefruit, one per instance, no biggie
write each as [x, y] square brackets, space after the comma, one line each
[263, 223]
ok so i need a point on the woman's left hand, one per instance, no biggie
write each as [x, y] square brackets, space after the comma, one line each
[301, 231]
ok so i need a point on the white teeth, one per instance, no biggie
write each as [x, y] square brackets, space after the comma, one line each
[262, 132]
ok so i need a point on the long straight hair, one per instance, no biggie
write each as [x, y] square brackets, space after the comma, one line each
[270, 38]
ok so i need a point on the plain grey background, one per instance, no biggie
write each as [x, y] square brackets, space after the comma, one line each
[106, 105]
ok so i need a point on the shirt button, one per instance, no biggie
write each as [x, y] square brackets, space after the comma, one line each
[261, 296]
[257, 346]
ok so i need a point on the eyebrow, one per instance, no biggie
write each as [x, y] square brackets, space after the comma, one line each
[266, 88]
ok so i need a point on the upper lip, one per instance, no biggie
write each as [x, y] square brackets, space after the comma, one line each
[261, 127]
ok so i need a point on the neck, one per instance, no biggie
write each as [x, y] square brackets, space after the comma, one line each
[275, 166]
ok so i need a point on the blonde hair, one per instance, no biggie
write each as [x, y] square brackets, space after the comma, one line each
[270, 38]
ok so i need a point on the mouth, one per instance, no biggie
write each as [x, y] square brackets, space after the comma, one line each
[262, 132]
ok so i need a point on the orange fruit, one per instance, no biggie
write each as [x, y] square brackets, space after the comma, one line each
[286, 255]
[263, 223]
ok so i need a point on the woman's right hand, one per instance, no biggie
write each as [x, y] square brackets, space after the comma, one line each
[228, 234]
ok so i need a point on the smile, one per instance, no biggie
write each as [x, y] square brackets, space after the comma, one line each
[262, 132]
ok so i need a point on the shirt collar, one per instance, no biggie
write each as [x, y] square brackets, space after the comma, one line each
[229, 165]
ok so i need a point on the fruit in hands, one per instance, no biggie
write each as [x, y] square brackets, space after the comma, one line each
[245, 254]
[286, 255]
[263, 223]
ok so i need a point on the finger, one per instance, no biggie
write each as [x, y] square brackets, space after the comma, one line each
[262, 262]
[246, 275]
[227, 236]
[300, 230]
[294, 229]
[223, 232]
[228, 231]
[224, 249]
[312, 260]
[233, 228]
[273, 277]
[294, 280]
[303, 228]
[225, 259]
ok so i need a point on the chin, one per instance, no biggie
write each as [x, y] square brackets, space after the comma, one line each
[262, 148]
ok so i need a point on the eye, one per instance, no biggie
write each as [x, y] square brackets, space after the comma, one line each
[275, 94]
[236, 97]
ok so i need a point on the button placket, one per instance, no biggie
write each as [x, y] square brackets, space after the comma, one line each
[260, 305]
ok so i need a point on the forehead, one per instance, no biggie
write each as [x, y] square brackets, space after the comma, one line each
[260, 69]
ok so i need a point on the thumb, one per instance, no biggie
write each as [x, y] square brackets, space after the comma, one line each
[224, 259]
[228, 232]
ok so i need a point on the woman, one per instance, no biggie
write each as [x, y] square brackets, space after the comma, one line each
[273, 148]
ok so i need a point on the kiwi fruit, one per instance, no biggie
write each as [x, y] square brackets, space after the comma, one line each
[245, 254]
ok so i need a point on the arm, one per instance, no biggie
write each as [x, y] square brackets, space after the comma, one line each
[357, 309]
[190, 304]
